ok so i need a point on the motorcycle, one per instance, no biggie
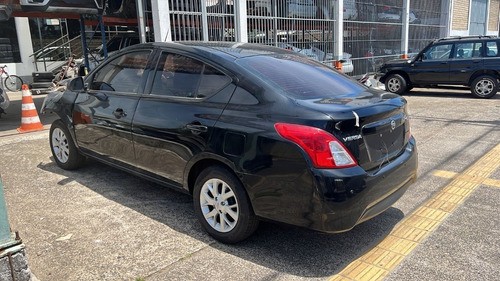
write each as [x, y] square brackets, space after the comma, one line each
[4, 102]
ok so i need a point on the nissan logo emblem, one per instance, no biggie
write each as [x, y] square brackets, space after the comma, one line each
[393, 125]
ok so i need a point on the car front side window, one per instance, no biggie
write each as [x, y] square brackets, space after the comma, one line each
[182, 76]
[438, 52]
[123, 74]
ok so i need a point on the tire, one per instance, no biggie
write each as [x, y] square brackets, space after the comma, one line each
[63, 148]
[13, 83]
[484, 87]
[396, 84]
[239, 221]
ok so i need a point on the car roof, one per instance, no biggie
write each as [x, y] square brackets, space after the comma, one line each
[465, 38]
[232, 49]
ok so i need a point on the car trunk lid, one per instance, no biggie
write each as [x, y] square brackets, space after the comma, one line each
[374, 127]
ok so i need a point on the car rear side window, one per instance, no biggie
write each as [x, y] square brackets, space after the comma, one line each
[491, 49]
[182, 76]
[123, 74]
[301, 78]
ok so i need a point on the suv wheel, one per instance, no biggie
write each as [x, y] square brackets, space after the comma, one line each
[484, 87]
[222, 205]
[396, 83]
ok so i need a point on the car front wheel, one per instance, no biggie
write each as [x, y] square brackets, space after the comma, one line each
[63, 149]
[396, 84]
[484, 87]
[222, 206]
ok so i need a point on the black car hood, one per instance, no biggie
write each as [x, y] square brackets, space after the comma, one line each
[341, 107]
[397, 62]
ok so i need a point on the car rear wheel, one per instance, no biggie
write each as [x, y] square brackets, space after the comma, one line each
[484, 87]
[63, 149]
[396, 83]
[222, 206]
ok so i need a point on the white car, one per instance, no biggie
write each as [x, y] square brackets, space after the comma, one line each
[319, 55]
[291, 9]
[300, 9]
[327, 9]
[394, 15]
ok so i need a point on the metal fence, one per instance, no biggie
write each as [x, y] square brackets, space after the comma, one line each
[372, 29]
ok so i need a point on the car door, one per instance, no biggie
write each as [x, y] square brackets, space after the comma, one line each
[103, 114]
[467, 59]
[432, 66]
[491, 54]
[174, 122]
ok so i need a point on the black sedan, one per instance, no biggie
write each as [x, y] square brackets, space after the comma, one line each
[252, 132]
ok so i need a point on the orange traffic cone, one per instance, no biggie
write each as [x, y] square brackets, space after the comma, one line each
[29, 116]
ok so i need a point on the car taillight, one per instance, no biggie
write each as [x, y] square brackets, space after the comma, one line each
[408, 132]
[323, 148]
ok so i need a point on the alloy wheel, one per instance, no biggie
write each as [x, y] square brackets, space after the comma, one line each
[60, 145]
[484, 87]
[219, 205]
[394, 85]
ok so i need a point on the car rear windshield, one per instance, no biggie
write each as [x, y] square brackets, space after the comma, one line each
[301, 78]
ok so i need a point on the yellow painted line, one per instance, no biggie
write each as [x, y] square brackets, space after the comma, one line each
[492, 182]
[444, 174]
[465, 177]
[415, 228]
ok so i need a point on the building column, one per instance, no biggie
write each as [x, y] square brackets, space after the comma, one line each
[24, 67]
[140, 20]
[161, 20]
[204, 20]
[339, 30]
[240, 25]
[405, 16]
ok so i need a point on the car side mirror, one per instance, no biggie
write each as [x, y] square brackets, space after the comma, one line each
[76, 85]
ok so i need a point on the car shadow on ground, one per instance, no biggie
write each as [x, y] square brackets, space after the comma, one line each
[444, 93]
[282, 248]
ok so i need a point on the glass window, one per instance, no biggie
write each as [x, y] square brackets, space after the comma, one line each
[122, 74]
[464, 50]
[181, 76]
[212, 81]
[438, 52]
[477, 50]
[300, 77]
[491, 49]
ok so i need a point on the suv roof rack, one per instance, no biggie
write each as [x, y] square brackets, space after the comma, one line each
[466, 37]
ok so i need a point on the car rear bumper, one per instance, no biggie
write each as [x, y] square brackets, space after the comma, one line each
[352, 196]
[331, 200]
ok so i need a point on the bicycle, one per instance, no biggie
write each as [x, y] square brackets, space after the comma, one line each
[12, 82]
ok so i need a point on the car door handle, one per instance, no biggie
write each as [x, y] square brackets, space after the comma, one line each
[197, 128]
[444, 62]
[119, 113]
[476, 61]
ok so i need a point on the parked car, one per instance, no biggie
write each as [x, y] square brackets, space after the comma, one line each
[471, 61]
[251, 131]
[392, 14]
[326, 9]
[319, 55]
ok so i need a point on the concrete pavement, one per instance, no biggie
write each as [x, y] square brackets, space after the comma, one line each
[99, 223]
